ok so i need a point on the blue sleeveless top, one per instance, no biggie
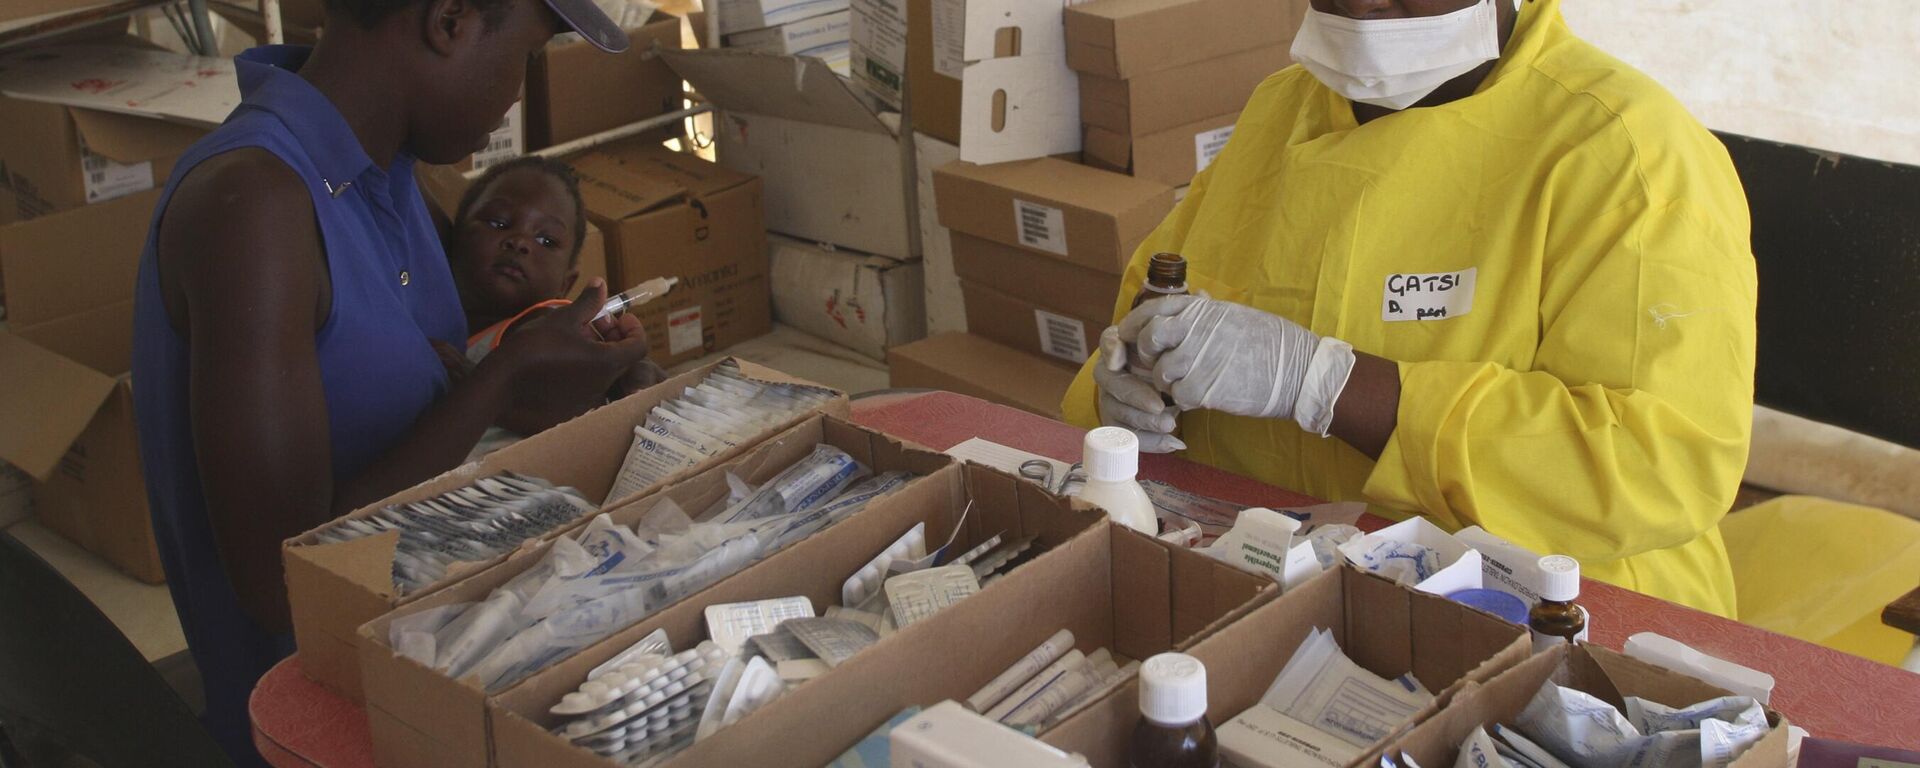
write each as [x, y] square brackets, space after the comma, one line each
[392, 293]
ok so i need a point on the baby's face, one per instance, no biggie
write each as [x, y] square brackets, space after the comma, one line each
[515, 247]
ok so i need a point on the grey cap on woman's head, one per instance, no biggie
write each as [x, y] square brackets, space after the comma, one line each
[586, 18]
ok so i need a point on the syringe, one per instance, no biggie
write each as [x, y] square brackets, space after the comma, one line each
[636, 296]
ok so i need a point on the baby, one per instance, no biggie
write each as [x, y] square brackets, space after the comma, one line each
[514, 249]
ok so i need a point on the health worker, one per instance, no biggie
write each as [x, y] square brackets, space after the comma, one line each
[1508, 274]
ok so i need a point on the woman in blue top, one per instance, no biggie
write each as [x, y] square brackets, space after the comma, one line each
[288, 300]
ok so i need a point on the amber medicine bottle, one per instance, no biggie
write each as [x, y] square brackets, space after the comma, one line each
[1556, 619]
[1173, 730]
[1166, 276]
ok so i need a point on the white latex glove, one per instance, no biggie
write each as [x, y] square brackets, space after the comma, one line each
[1129, 402]
[1236, 359]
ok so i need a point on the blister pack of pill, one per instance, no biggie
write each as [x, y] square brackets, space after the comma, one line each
[723, 411]
[638, 710]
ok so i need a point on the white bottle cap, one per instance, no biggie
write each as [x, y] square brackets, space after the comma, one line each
[1559, 578]
[1110, 454]
[1173, 689]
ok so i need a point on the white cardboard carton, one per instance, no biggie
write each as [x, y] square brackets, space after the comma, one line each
[745, 15]
[833, 169]
[821, 37]
[1506, 566]
[1023, 106]
[946, 312]
[193, 90]
[862, 302]
[877, 42]
[1460, 565]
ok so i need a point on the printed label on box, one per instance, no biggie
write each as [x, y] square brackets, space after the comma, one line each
[503, 143]
[105, 179]
[879, 48]
[683, 330]
[949, 37]
[1040, 226]
[1061, 336]
[1207, 146]
[1431, 296]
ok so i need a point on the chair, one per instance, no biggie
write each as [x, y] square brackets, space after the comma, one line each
[69, 680]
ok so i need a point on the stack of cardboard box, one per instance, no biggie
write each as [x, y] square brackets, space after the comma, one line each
[1163, 81]
[575, 90]
[815, 28]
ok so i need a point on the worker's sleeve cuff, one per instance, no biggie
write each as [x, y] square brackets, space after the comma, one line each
[1326, 377]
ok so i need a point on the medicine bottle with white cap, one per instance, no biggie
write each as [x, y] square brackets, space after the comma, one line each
[1556, 619]
[1174, 731]
[1111, 457]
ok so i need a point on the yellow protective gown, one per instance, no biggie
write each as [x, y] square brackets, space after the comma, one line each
[1594, 400]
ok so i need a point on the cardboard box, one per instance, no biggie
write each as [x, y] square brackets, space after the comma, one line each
[571, 86]
[58, 157]
[744, 15]
[420, 717]
[334, 588]
[1154, 102]
[991, 76]
[67, 414]
[1462, 567]
[1606, 674]
[1382, 626]
[1127, 38]
[936, 60]
[20, 10]
[1089, 217]
[976, 367]
[1111, 587]
[782, 114]
[504, 143]
[877, 49]
[945, 311]
[666, 213]
[1052, 284]
[1030, 327]
[1171, 157]
[862, 302]
[823, 37]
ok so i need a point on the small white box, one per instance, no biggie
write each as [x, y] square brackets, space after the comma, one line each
[746, 15]
[1460, 566]
[821, 37]
[1506, 566]
[1263, 737]
[946, 735]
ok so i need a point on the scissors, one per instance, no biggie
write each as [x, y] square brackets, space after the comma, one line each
[1041, 471]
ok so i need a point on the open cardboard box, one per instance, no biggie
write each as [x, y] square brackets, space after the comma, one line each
[574, 90]
[335, 588]
[1113, 588]
[1607, 674]
[1385, 627]
[421, 717]
[978, 367]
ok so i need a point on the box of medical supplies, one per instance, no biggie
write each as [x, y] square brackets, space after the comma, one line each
[420, 716]
[334, 587]
[1126, 38]
[1096, 601]
[575, 90]
[1051, 207]
[66, 417]
[1747, 733]
[1030, 327]
[832, 166]
[976, 367]
[877, 49]
[862, 302]
[1154, 102]
[821, 37]
[1056, 285]
[934, 65]
[945, 313]
[60, 156]
[1386, 640]
[672, 214]
[745, 15]
[1172, 156]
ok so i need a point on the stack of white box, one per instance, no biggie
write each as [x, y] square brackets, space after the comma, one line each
[815, 28]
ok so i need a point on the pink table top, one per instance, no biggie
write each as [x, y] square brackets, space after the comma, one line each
[1831, 694]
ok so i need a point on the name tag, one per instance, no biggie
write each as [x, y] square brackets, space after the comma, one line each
[1431, 296]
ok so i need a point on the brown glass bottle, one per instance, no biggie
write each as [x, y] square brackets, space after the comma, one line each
[1166, 276]
[1556, 619]
[1173, 731]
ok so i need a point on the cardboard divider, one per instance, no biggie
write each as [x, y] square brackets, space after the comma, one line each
[421, 717]
[1111, 587]
[334, 588]
[1608, 675]
[1381, 625]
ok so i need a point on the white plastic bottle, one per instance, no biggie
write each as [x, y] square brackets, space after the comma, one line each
[1111, 457]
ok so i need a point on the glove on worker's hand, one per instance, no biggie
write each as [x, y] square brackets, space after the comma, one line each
[1236, 359]
[1129, 402]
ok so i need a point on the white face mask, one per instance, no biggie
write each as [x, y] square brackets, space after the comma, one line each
[1393, 63]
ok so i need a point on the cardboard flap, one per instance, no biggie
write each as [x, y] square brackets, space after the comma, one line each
[1037, 27]
[367, 561]
[49, 400]
[128, 139]
[73, 261]
[791, 87]
[612, 189]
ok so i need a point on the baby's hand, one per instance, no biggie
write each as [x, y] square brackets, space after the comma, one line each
[454, 359]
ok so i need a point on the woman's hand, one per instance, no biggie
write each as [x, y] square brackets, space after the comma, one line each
[559, 364]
